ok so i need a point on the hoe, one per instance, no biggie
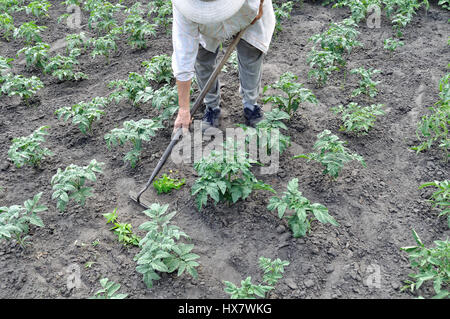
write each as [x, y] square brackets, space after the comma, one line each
[178, 134]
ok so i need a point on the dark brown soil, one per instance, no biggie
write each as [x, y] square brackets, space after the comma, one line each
[376, 206]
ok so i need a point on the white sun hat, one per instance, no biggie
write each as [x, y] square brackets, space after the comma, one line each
[208, 11]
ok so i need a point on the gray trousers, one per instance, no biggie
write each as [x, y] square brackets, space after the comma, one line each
[250, 71]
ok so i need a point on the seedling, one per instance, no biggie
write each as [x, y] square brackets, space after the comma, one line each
[135, 89]
[159, 69]
[88, 5]
[89, 264]
[21, 86]
[165, 99]
[6, 25]
[268, 132]
[61, 67]
[104, 46]
[28, 150]
[165, 184]
[102, 16]
[295, 94]
[137, 27]
[435, 127]
[108, 291]
[444, 4]
[273, 271]
[358, 8]
[5, 67]
[30, 32]
[441, 197]
[322, 63]
[366, 85]
[392, 44]
[282, 12]
[161, 248]
[331, 153]
[84, 114]
[38, 8]
[225, 176]
[36, 56]
[10, 6]
[339, 39]
[431, 264]
[77, 41]
[134, 132]
[233, 60]
[304, 212]
[70, 183]
[163, 13]
[358, 119]
[15, 220]
[401, 12]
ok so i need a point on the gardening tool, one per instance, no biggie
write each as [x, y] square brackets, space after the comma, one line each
[178, 133]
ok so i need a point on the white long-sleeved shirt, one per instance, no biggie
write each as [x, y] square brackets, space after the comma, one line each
[187, 35]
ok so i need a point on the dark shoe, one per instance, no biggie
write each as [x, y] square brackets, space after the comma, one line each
[211, 118]
[254, 116]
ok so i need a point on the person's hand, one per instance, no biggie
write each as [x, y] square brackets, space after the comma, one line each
[183, 119]
[260, 13]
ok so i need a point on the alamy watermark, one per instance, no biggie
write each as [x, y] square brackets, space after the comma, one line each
[373, 280]
[74, 277]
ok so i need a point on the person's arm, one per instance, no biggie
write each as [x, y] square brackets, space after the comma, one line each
[184, 112]
[185, 39]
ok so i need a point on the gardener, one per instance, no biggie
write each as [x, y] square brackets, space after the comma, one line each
[199, 27]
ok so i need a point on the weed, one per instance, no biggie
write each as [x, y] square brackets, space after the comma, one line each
[123, 231]
[165, 184]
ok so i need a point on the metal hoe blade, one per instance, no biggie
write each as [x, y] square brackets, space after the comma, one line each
[178, 134]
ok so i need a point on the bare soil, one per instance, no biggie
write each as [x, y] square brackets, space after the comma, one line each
[376, 206]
